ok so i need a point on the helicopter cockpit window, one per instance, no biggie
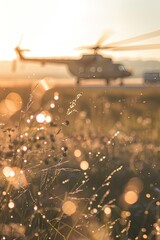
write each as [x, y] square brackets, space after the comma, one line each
[121, 68]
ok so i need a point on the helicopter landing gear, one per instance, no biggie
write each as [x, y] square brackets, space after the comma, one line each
[121, 82]
[78, 81]
[107, 81]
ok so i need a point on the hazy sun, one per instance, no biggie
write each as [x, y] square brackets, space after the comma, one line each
[51, 34]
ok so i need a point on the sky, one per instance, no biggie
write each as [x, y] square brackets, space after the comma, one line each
[58, 27]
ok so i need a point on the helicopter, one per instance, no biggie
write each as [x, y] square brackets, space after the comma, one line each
[95, 65]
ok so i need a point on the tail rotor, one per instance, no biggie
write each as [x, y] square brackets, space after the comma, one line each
[19, 54]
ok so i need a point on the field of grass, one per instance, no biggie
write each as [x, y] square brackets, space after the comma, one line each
[82, 165]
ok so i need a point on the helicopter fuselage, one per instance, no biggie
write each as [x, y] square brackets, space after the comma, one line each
[91, 66]
[97, 67]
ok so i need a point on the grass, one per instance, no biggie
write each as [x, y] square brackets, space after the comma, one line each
[92, 172]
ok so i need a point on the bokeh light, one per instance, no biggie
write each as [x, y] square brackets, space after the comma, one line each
[44, 117]
[130, 197]
[13, 102]
[77, 153]
[11, 204]
[56, 96]
[8, 172]
[84, 165]
[69, 208]
[40, 118]
[125, 214]
[135, 184]
[15, 176]
[107, 210]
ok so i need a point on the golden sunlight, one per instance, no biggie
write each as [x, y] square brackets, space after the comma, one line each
[50, 34]
[59, 38]
[58, 27]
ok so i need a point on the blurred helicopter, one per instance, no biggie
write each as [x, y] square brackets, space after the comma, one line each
[96, 66]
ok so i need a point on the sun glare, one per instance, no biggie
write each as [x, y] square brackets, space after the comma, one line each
[59, 38]
[7, 54]
[45, 34]
[58, 27]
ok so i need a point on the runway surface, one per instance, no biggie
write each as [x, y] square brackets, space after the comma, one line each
[128, 83]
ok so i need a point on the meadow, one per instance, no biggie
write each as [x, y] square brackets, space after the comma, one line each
[82, 164]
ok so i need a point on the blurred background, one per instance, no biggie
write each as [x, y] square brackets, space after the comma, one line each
[79, 160]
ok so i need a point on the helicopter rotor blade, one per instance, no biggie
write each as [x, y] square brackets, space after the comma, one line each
[132, 47]
[134, 39]
[24, 50]
[18, 49]
[103, 38]
[14, 62]
[98, 44]
[20, 40]
[85, 47]
[115, 46]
